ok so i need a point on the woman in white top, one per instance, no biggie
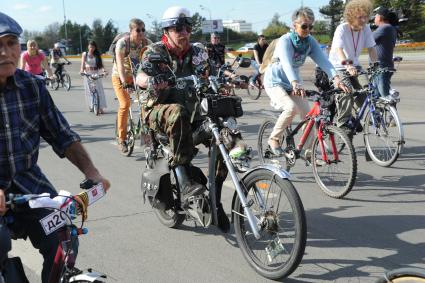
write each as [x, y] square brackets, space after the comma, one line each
[349, 39]
[91, 63]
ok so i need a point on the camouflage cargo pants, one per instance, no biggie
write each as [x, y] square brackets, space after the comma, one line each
[174, 121]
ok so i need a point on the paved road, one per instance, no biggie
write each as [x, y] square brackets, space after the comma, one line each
[380, 225]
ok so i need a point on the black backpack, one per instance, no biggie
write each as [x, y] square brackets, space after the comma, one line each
[114, 44]
[321, 80]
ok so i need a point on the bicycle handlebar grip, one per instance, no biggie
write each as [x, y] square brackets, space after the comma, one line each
[87, 184]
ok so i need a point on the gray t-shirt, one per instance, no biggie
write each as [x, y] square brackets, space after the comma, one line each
[385, 37]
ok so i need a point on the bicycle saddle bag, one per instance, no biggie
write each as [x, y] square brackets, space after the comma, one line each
[156, 183]
[221, 106]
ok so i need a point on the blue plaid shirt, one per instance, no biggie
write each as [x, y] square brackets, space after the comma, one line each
[27, 112]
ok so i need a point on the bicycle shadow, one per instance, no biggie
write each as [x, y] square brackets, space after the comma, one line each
[364, 234]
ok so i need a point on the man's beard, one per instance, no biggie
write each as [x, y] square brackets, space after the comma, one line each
[182, 43]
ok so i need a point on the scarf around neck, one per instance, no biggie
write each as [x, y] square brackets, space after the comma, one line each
[300, 44]
[179, 53]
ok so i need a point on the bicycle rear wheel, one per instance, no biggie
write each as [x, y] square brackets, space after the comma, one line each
[337, 175]
[283, 231]
[264, 151]
[255, 91]
[383, 139]
[66, 81]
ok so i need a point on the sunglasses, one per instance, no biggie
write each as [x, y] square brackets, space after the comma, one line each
[179, 28]
[139, 30]
[306, 26]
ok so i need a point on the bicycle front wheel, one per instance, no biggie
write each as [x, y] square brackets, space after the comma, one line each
[66, 81]
[96, 109]
[54, 84]
[131, 137]
[383, 137]
[336, 175]
[404, 275]
[283, 233]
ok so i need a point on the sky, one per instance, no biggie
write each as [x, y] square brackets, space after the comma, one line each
[35, 15]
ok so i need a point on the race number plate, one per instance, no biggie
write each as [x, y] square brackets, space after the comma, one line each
[95, 193]
[53, 222]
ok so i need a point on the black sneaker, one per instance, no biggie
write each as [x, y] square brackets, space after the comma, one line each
[222, 219]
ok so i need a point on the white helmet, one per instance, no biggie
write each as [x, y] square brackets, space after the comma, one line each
[174, 16]
[57, 45]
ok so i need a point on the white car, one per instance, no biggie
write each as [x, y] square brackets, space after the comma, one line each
[245, 49]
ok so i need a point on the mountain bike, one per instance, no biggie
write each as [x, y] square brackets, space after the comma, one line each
[135, 129]
[65, 209]
[383, 132]
[334, 170]
[61, 77]
[91, 80]
[267, 212]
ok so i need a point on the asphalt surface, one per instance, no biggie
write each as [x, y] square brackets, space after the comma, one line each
[379, 226]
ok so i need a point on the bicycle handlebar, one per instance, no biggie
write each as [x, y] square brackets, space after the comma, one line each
[94, 76]
[66, 63]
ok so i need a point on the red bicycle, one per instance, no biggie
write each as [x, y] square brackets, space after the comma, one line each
[65, 209]
[332, 155]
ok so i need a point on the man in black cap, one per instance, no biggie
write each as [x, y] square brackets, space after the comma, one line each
[27, 113]
[385, 37]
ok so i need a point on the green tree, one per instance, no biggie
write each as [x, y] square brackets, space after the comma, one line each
[50, 36]
[334, 12]
[275, 28]
[155, 32]
[97, 34]
[197, 20]
[109, 32]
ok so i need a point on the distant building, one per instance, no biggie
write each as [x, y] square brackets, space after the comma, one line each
[238, 25]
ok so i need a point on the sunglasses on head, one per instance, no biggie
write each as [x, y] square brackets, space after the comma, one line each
[139, 30]
[306, 26]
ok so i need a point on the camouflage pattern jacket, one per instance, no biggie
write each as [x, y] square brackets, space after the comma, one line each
[182, 93]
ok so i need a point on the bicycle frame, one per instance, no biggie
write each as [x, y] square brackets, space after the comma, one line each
[312, 118]
[64, 258]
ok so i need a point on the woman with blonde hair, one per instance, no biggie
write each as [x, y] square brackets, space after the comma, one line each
[349, 39]
[34, 61]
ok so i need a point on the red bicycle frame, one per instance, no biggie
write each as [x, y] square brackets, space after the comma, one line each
[311, 117]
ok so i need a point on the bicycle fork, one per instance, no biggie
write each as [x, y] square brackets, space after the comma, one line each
[322, 144]
[252, 220]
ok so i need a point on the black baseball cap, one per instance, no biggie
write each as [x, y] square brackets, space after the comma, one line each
[382, 11]
[9, 26]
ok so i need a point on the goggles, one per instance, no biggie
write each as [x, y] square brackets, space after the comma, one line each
[174, 22]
